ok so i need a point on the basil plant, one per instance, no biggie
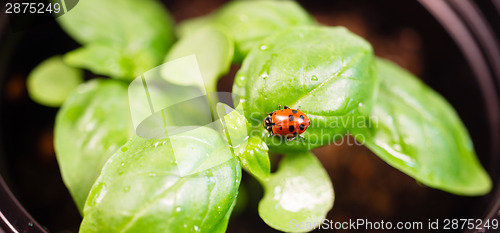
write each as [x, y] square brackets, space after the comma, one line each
[188, 179]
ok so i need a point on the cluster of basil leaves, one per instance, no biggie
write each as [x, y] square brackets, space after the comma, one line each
[124, 183]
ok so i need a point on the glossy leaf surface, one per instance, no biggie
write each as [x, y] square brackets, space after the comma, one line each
[141, 190]
[90, 126]
[325, 72]
[417, 131]
[300, 192]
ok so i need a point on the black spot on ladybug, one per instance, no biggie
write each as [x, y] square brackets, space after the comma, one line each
[294, 111]
[291, 128]
[302, 117]
[290, 117]
[281, 128]
[302, 127]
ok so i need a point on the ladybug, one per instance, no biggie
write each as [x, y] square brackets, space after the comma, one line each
[288, 123]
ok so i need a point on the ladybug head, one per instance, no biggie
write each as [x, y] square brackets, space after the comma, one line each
[268, 124]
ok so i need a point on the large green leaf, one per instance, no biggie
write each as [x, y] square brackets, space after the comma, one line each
[416, 131]
[141, 188]
[52, 81]
[298, 196]
[91, 125]
[326, 72]
[134, 35]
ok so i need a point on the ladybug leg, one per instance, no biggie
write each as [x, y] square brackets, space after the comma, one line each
[291, 138]
[279, 106]
[286, 107]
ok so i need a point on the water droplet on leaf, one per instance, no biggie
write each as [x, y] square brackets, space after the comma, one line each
[240, 80]
[264, 47]
[314, 78]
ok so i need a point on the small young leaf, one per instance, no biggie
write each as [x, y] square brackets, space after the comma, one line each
[100, 59]
[91, 125]
[252, 152]
[137, 34]
[52, 81]
[416, 131]
[255, 158]
[214, 52]
[325, 72]
[299, 192]
[140, 188]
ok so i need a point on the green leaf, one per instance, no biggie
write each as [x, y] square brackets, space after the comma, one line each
[140, 188]
[52, 81]
[298, 196]
[416, 131]
[100, 59]
[325, 72]
[192, 25]
[252, 152]
[214, 51]
[91, 125]
[255, 158]
[136, 34]
[251, 21]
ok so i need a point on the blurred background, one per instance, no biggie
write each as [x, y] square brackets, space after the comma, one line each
[404, 31]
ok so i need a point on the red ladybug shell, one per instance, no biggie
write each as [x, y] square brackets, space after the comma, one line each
[288, 122]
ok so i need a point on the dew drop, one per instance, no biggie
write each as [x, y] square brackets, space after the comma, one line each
[126, 189]
[178, 209]
[124, 149]
[240, 80]
[196, 228]
[314, 78]
[156, 144]
[152, 174]
[264, 47]
[122, 164]
[175, 162]
[218, 207]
